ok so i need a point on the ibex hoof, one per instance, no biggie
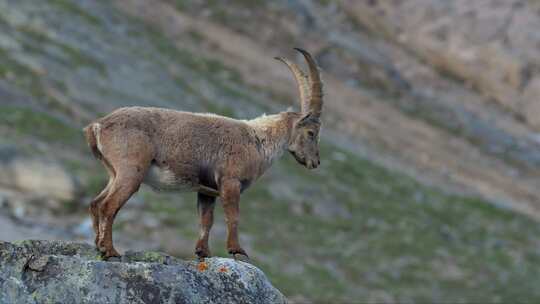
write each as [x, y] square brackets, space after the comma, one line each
[202, 253]
[238, 252]
[109, 253]
[114, 259]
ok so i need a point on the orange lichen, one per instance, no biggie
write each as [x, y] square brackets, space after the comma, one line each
[222, 269]
[202, 266]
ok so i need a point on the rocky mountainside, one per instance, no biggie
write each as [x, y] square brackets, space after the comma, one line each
[33, 272]
[429, 182]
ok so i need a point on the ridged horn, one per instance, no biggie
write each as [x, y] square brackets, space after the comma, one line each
[315, 97]
[301, 82]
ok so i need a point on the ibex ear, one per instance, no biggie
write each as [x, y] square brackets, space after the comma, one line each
[308, 118]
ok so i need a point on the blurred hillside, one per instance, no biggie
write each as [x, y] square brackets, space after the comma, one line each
[428, 189]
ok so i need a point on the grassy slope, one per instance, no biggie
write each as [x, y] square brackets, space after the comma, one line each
[397, 238]
[350, 230]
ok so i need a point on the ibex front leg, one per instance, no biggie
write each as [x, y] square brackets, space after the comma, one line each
[205, 207]
[230, 196]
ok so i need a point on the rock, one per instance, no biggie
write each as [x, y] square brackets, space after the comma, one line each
[65, 272]
[42, 177]
[490, 44]
[531, 105]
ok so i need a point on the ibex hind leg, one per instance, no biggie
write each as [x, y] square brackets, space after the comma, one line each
[94, 208]
[129, 154]
[94, 205]
[126, 183]
[130, 173]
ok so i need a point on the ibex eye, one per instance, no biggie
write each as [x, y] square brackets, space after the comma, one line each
[310, 133]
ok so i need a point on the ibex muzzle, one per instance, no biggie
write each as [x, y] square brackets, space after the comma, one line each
[212, 155]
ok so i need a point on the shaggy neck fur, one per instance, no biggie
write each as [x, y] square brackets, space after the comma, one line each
[274, 133]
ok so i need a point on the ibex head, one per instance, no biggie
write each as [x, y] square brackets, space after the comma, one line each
[304, 142]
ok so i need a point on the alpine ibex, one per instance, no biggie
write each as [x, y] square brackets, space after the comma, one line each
[212, 155]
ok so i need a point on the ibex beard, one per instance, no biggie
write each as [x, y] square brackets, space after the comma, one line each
[212, 155]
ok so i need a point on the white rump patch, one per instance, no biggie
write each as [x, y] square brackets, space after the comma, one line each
[96, 128]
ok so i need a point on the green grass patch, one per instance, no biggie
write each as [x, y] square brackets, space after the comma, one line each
[34, 41]
[19, 74]
[25, 121]
[71, 8]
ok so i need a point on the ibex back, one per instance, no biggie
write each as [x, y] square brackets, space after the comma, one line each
[212, 155]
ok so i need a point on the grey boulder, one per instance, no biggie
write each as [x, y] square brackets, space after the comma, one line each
[65, 272]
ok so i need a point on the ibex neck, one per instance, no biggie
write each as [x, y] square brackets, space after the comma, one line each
[274, 133]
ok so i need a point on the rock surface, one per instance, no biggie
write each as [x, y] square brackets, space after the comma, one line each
[65, 272]
[488, 44]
